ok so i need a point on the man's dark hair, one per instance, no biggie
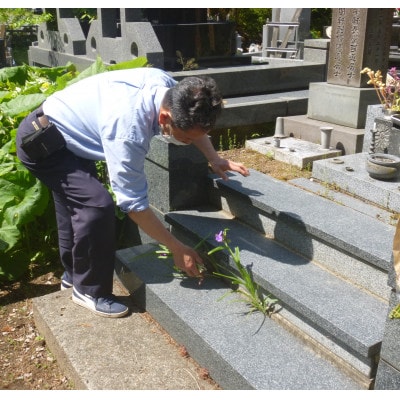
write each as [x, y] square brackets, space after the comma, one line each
[194, 102]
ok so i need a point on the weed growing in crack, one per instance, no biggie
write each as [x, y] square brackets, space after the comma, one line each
[243, 282]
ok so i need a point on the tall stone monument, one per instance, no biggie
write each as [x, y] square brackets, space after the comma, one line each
[360, 38]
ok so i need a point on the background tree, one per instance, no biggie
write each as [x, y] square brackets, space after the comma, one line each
[17, 33]
[15, 18]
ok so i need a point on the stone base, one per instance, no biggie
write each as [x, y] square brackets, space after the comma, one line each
[341, 105]
[292, 151]
[350, 174]
[348, 140]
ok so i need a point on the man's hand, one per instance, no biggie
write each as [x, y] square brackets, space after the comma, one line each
[187, 260]
[220, 166]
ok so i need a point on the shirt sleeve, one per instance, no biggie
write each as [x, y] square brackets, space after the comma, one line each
[125, 142]
[125, 163]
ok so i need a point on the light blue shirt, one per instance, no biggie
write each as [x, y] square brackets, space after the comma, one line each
[113, 116]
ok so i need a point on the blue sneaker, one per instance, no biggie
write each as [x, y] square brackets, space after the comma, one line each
[104, 306]
[66, 281]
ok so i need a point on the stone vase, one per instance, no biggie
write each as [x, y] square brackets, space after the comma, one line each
[387, 114]
[326, 133]
[383, 166]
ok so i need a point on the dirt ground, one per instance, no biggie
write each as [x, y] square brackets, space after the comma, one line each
[25, 360]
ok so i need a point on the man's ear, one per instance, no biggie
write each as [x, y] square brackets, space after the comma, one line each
[164, 117]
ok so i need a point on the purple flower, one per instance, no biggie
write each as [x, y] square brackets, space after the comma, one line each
[219, 237]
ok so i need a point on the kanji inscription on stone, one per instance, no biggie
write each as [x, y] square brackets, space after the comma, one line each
[360, 38]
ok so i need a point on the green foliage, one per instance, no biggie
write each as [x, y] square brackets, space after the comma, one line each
[395, 312]
[89, 14]
[134, 63]
[229, 141]
[249, 21]
[26, 213]
[15, 18]
[270, 155]
[320, 17]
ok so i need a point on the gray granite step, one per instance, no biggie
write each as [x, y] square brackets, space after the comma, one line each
[239, 350]
[258, 94]
[350, 317]
[293, 240]
[352, 245]
[349, 172]
[278, 75]
[340, 197]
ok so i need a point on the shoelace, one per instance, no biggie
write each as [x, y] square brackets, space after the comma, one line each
[107, 300]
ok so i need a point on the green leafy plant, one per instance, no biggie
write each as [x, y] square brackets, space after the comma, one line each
[395, 312]
[229, 141]
[15, 18]
[243, 282]
[188, 64]
[270, 155]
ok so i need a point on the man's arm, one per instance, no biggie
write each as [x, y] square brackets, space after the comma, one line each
[218, 164]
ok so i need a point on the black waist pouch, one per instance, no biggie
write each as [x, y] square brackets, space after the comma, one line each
[43, 142]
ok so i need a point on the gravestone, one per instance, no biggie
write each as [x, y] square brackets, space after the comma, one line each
[360, 38]
[118, 35]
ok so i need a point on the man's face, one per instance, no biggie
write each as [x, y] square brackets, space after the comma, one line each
[186, 137]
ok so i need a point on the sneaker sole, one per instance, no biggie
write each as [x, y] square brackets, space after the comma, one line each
[82, 303]
[66, 285]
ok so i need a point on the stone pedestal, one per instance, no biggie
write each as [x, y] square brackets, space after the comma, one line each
[176, 175]
[342, 105]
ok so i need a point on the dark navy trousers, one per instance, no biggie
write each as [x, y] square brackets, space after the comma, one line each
[84, 211]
